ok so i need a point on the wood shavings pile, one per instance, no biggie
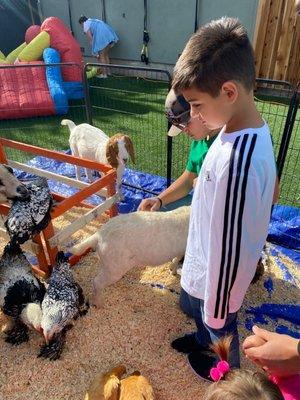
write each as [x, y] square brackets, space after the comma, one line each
[135, 327]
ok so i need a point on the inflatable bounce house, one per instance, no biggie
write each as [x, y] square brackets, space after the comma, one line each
[36, 91]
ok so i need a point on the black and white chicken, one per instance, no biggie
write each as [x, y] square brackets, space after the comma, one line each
[63, 302]
[28, 217]
[21, 294]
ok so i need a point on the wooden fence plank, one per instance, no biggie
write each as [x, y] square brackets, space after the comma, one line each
[277, 36]
[260, 31]
[277, 40]
[285, 44]
[269, 39]
[293, 70]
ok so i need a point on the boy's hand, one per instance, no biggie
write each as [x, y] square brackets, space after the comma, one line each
[276, 353]
[151, 204]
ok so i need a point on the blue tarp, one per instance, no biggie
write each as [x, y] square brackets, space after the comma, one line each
[55, 81]
[283, 226]
[275, 312]
[132, 197]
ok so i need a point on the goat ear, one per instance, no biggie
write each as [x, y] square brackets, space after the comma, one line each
[112, 153]
[130, 148]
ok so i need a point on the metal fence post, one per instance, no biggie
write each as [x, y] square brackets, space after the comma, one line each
[169, 157]
[287, 132]
[87, 98]
[169, 152]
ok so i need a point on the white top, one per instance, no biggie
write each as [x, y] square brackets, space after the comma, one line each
[229, 220]
[86, 25]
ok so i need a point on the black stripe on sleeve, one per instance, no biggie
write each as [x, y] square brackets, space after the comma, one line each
[240, 217]
[232, 220]
[225, 225]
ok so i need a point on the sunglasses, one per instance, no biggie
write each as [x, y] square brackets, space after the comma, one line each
[181, 120]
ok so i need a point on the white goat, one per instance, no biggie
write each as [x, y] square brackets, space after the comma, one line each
[134, 240]
[10, 187]
[92, 143]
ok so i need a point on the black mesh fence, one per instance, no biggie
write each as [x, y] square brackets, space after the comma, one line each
[289, 159]
[27, 111]
[131, 101]
[276, 102]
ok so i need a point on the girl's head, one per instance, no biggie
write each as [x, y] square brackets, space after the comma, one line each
[244, 385]
[82, 19]
[240, 384]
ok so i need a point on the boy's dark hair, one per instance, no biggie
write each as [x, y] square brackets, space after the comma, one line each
[219, 51]
[82, 19]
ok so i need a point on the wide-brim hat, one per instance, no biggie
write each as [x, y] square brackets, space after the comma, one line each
[177, 112]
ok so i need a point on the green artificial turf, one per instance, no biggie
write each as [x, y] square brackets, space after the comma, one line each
[135, 106]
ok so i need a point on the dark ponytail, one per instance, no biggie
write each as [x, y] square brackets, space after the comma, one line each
[82, 19]
[222, 347]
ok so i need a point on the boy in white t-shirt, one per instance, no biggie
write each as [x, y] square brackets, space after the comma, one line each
[233, 196]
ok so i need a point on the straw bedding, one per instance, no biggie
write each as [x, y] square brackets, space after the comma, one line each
[134, 327]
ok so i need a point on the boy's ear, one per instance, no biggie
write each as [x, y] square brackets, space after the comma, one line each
[230, 91]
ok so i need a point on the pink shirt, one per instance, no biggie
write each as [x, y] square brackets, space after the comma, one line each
[289, 386]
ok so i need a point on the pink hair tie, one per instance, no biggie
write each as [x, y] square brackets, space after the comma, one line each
[219, 371]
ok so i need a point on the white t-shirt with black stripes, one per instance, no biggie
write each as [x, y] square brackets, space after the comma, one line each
[229, 220]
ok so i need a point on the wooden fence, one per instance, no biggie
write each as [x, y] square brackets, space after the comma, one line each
[277, 40]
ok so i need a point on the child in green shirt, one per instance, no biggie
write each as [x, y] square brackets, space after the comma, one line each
[177, 194]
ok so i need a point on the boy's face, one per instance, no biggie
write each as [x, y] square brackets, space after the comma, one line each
[195, 129]
[214, 112]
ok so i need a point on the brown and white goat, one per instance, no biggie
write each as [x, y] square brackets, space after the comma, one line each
[87, 141]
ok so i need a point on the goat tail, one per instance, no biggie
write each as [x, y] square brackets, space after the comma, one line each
[69, 123]
[91, 241]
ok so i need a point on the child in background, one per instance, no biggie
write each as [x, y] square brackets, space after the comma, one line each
[232, 200]
[278, 355]
[178, 193]
[238, 384]
[102, 38]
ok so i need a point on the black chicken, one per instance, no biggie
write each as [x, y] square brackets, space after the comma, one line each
[28, 217]
[63, 302]
[21, 294]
